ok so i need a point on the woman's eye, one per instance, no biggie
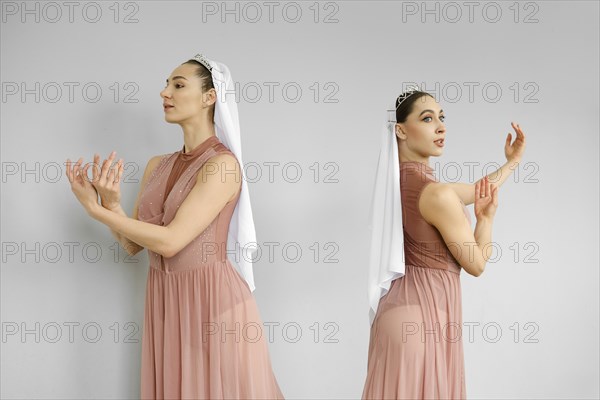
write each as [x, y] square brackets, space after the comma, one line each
[442, 118]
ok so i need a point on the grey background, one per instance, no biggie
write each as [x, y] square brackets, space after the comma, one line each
[541, 292]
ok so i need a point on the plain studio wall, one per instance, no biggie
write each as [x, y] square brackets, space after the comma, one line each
[314, 81]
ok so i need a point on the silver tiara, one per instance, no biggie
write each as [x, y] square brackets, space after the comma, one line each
[392, 113]
[410, 90]
[202, 60]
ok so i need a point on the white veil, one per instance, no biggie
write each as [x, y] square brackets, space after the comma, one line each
[241, 239]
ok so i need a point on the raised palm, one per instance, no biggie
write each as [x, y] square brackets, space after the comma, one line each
[486, 198]
[107, 180]
[515, 150]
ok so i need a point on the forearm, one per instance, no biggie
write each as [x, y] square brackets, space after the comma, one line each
[499, 176]
[151, 236]
[130, 246]
[483, 237]
[466, 191]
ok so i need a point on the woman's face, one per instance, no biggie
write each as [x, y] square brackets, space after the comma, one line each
[424, 126]
[183, 95]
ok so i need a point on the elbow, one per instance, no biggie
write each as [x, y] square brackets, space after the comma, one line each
[479, 270]
[171, 245]
[474, 269]
[166, 246]
[168, 250]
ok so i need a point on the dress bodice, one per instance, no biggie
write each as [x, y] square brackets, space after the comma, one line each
[167, 188]
[424, 246]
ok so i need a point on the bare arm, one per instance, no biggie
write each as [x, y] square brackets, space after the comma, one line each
[130, 246]
[217, 183]
[440, 206]
[207, 198]
[466, 191]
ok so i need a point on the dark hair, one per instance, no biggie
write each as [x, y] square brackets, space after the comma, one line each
[205, 77]
[407, 105]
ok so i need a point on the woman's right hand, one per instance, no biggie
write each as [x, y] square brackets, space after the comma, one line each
[486, 199]
[107, 181]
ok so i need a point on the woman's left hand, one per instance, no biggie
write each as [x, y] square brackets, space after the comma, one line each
[81, 186]
[514, 151]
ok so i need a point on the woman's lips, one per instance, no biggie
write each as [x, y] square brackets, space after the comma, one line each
[439, 142]
[167, 107]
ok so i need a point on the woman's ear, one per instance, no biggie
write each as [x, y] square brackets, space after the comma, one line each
[399, 132]
[210, 97]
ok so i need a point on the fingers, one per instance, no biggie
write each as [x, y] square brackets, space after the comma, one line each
[111, 176]
[520, 134]
[518, 130]
[114, 176]
[76, 172]
[495, 195]
[482, 185]
[105, 169]
[95, 170]
[120, 170]
[84, 176]
[68, 171]
[106, 165]
[76, 167]
[73, 170]
[486, 192]
[482, 188]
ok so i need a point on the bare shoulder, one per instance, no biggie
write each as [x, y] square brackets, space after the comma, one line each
[223, 163]
[439, 202]
[222, 169]
[226, 157]
[441, 207]
[154, 161]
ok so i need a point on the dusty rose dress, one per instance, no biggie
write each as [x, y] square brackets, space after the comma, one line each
[415, 348]
[203, 336]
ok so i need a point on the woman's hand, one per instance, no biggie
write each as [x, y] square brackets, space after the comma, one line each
[107, 181]
[514, 151]
[81, 186]
[486, 199]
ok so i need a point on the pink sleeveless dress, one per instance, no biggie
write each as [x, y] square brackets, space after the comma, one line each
[415, 347]
[203, 336]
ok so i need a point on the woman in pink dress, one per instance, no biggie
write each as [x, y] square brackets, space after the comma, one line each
[203, 337]
[421, 241]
